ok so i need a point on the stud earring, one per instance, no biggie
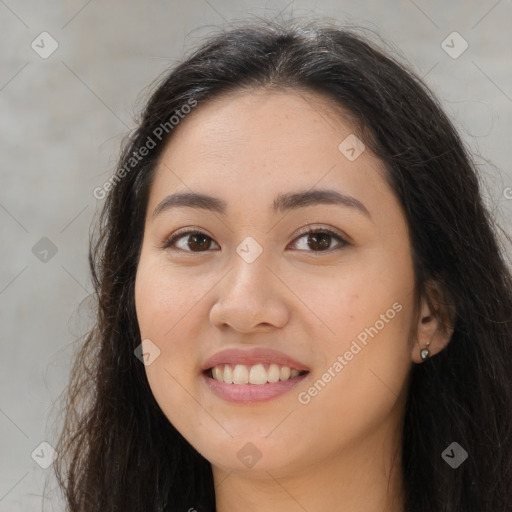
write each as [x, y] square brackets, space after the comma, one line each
[424, 352]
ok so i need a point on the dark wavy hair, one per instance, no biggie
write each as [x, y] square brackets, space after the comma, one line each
[117, 450]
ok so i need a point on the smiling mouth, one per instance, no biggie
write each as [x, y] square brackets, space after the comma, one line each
[257, 374]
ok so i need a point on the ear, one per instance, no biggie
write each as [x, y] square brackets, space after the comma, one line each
[435, 322]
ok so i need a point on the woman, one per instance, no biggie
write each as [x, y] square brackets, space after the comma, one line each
[302, 304]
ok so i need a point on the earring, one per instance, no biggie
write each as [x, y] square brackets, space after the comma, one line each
[424, 352]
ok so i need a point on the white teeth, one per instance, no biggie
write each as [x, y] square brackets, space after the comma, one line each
[217, 372]
[284, 373]
[240, 374]
[258, 374]
[273, 373]
[255, 374]
[228, 374]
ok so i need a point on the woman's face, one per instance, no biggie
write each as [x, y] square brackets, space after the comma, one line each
[337, 303]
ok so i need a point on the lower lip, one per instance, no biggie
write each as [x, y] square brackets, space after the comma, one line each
[249, 393]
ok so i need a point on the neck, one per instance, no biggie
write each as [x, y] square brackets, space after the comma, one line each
[366, 476]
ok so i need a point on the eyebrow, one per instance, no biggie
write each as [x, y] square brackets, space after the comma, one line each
[282, 203]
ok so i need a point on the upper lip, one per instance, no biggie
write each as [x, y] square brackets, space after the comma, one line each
[234, 356]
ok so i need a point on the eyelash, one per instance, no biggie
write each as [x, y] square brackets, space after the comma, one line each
[169, 242]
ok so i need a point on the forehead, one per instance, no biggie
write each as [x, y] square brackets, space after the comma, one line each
[267, 122]
[253, 144]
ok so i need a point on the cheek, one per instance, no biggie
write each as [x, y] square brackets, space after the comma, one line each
[366, 316]
[164, 297]
[162, 309]
[366, 289]
[171, 309]
[364, 377]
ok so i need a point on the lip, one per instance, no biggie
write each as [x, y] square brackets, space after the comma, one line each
[248, 393]
[234, 356]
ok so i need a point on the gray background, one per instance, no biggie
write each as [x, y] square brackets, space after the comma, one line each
[62, 122]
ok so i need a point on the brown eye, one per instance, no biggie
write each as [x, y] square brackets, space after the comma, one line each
[190, 241]
[319, 240]
[199, 242]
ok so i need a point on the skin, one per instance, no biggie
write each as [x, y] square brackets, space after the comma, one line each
[338, 451]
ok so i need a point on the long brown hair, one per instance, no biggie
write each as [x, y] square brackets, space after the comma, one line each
[119, 452]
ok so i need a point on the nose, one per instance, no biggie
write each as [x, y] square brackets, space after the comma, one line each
[250, 298]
